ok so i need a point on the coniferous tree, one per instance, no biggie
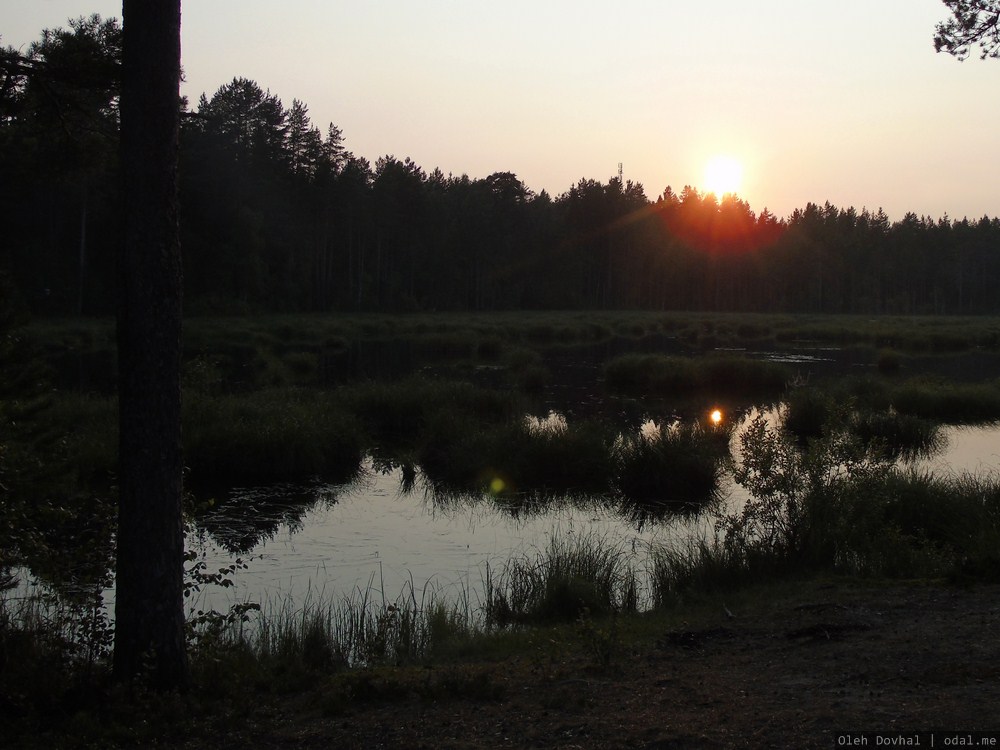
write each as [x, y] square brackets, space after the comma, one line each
[972, 22]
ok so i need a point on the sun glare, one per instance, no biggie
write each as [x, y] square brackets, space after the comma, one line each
[723, 175]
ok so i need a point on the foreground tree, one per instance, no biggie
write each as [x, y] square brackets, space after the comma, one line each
[972, 22]
[149, 611]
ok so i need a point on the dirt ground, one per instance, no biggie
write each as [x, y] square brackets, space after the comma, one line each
[800, 670]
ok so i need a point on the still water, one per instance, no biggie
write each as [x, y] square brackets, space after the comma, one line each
[378, 535]
[374, 536]
[384, 535]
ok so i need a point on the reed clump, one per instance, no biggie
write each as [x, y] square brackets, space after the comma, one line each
[899, 436]
[811, 414]
[269, 436]
[521, 456]
[573, 576]
[677, 466]
[949, 402]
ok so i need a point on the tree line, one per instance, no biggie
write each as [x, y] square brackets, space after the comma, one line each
[278, 215]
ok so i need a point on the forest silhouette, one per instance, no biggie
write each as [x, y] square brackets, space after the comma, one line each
[279, 216]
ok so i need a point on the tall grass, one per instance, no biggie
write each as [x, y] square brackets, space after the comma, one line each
[359, 630]
[698, 567]
[573, 576]
[269, 436]
[954, 403]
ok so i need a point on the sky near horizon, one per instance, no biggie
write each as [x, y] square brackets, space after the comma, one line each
[844, 102]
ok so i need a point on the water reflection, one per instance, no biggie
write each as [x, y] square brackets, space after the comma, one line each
[554, 422]
[393, 526]
[965, 450]
[378, 536]
[251, 516]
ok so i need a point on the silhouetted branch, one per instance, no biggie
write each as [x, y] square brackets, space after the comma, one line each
[972, 22]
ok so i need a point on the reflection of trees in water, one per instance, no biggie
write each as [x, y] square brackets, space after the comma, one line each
[642, 513]
[520, 506]
[69, 545]
[253, 515]
[651, 470]
[653, 499]
[526, 506]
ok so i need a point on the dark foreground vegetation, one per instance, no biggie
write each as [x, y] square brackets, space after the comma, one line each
[297, 399]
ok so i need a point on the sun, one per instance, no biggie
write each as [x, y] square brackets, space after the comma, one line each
[723, 175]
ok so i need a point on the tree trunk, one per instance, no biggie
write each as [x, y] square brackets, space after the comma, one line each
[149, 609]
[82, 279]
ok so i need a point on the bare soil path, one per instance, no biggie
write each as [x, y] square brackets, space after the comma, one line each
[795, 671]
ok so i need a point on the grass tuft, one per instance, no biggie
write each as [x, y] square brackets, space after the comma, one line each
[572, 577]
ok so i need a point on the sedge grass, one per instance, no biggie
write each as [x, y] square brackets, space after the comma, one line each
[675, 467]
[269, 436]
[572, 576]
[952, 403]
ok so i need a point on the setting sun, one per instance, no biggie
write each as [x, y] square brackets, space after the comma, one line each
[723, 175]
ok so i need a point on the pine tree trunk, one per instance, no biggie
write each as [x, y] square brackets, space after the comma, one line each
[149, 610]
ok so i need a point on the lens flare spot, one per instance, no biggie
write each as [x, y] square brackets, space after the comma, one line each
[497, 485]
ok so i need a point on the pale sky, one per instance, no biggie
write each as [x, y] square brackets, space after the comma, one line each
[842, 101]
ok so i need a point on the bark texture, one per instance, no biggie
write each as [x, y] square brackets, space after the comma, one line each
[149, 609]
